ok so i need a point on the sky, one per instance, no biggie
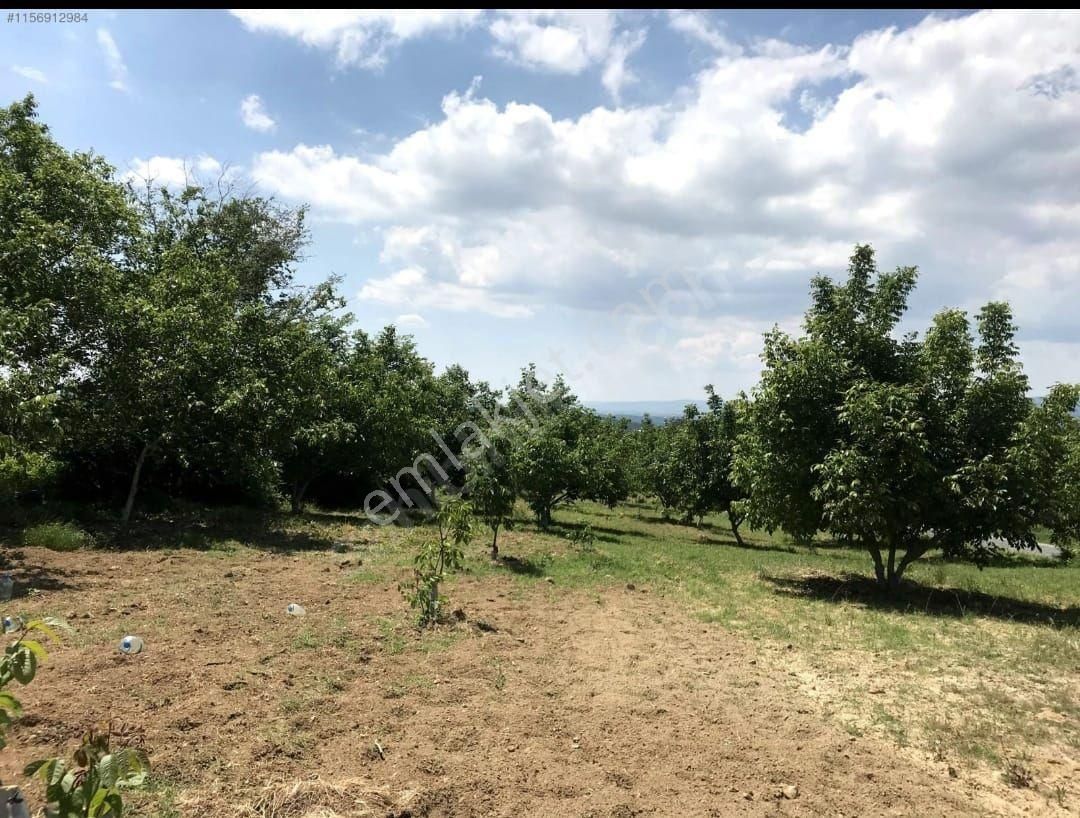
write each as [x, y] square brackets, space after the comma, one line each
[629, 198]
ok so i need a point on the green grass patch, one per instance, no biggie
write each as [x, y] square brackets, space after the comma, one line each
[57, 536]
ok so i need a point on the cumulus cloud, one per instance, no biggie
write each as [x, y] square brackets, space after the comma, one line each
[564, 42]
[174, 172]
[950, 145]
[30, 73]
[696, 26]
[254, 115]
[568, 42]
[114, 60]
[362, 38]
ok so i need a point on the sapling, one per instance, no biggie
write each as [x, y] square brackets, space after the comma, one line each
[456, 522]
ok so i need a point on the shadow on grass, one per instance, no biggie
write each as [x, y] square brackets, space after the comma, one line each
[529, 567]
[914, 597]
[262, 531]
[747, 545]
[600, 532]
[343, 517]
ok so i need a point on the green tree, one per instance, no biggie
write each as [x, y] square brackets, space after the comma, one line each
[63, 220]
[896, 444]
[562, 451]
[490, 485]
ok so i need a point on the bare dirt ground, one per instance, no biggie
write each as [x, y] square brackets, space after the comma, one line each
[542, 701]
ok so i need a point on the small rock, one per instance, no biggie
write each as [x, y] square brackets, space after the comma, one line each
[550, 579]
[952, 771]
[790, 792]
[630, 586]
[748, 796]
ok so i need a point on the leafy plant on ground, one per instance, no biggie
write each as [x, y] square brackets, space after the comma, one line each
[456, 523]
[19, 664]
[89, 786]
[583, 539]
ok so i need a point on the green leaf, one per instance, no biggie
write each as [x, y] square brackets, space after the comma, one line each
[23, 664]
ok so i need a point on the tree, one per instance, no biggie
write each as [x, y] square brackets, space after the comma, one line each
[691, 468]
[62, 222]
[455, 529]
[898, 445]
[489, 484]
[198, 306]
[562, 451]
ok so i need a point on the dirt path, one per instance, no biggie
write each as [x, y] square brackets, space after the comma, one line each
[544, 702]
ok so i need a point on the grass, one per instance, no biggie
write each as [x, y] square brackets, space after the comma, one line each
[56, 536]
[1016, 622]
[972, 666]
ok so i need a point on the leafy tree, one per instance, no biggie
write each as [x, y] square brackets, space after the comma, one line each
[691, 464]
[191, 329]
[898, 445]
[62, 222]
[308, 403]
[562, 451]
[489, 484]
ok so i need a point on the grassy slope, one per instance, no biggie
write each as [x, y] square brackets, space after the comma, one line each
[973, 666]
[977, 668]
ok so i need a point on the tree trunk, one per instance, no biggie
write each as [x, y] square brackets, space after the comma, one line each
[544, 517]
[495, 542]
[125, 517]
[879, 566]
[298, 492]
[734, 520]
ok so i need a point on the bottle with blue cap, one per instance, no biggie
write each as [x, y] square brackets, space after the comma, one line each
[295, 609]
[13, 624]
[131, 644]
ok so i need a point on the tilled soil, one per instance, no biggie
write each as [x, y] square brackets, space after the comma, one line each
[535, 701]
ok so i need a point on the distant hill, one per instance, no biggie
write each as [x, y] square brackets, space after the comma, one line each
[635, 410]
[661, 410]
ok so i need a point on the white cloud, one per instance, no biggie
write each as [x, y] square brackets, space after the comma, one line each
[568, 42]
[696, 26]
[175, 172]
[413, 287]
[114, 61]
[616, 72]
[30, 73]
[950, 145]
[254, 114]
[411, 319]
[362, 38]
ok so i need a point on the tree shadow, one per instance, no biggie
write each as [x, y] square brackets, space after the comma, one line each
[344, 518]
[914, 597]
[31, 579]
[264, 532]
[530, 566]
[746, 545]
[600, 532]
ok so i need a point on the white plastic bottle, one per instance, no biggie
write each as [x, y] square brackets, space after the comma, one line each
[131, 644]
[295, 609]
[7, 587]
[13, 624]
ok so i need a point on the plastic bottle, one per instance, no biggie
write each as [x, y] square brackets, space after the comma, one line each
[7, 587]
[131, 644]
[13, 624]
[295, 609]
